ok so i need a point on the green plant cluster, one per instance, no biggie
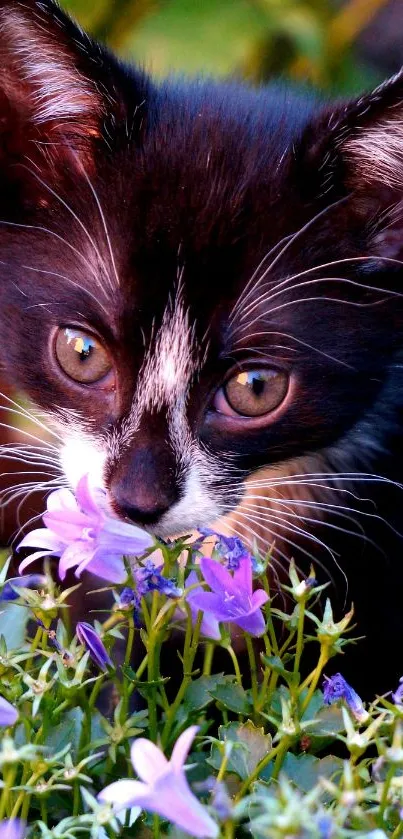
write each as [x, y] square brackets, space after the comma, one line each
[271, 758]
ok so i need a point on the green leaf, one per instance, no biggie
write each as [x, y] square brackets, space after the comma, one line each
[305, 771]
[13, 625]
[250, 746]
[199, 693]
[67, 732]
[232, 696]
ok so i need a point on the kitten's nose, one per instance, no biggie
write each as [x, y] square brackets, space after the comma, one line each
[142, 487]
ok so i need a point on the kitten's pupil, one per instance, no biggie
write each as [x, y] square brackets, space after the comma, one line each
[82, 346]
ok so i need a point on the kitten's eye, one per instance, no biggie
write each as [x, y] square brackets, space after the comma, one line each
[252, 393]
[82, 356]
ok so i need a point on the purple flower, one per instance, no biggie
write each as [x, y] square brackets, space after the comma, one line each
[397, 696]
[128, 599]
[163, 788]
[230, 548]
[149, 578]
[232, 599]
[209, 626]
[12, 829]
[28, 581]
[90, 639]
[79, 531]
[8, 714]
[335, 688]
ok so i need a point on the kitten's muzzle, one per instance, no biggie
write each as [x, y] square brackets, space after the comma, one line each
[142, 487]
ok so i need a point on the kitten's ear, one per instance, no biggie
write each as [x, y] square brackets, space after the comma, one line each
[56, 84]
[356, 150]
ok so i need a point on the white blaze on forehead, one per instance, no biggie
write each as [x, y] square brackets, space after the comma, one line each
[169, 364]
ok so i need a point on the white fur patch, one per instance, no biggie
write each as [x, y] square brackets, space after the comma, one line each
[80, 456]
[59, 91]
[168, 367]
[378, 152]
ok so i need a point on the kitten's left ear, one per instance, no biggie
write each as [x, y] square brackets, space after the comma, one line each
[356, 149]
[57, 86]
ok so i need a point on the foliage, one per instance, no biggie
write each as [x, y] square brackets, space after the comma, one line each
[306, 40]
[271, 758]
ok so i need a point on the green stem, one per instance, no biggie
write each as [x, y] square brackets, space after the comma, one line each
[314, 677]
[236, 665]
[189, 654]
[6, 794]
[284, 744]
[259, 768]
[151, 670]
[384, 798]
[253, 669]
[128, 657]
[208, 658]
[300, 642]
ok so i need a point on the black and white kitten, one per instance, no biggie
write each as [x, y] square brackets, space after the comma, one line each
[201, 283]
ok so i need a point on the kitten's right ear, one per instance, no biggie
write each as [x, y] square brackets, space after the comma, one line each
[57, 86]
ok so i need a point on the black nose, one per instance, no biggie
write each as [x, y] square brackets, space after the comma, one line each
[141, 515]
[143, 486]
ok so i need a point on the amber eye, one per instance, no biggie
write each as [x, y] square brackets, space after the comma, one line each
[253, 393]
[81, 355]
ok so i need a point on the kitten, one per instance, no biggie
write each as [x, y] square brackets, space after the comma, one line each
[201, 285]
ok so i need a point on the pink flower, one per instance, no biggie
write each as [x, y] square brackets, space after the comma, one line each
[80, 532]
[163, 789]
[231, 599]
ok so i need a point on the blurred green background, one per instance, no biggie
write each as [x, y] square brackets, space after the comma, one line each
[311, 40]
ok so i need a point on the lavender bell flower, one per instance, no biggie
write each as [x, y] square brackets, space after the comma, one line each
[90, 639]
[8, 714]
[231, 599]
[12, 829]
[163, 788]
[209, 626]
[80, 531]
[335, 688]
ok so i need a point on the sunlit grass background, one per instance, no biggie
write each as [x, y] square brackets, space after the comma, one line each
[309, 40]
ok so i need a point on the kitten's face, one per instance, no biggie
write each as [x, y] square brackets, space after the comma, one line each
[197, 281]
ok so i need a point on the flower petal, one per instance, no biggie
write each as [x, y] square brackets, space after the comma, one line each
[67, 524]
[254, 623]
[61, 499]
[13, 829]
[41, 538]
[107, 566]
[207, 601]
[182, 747]
[148, 760]
[87, 497]
[32, 557]
[243, 576]
[122, 793]
[76, 554]
[173, 799]
[259, 598]
[124, 538]
[8, 714]
[216, 576]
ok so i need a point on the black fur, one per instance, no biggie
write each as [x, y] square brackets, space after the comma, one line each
[207, 178]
